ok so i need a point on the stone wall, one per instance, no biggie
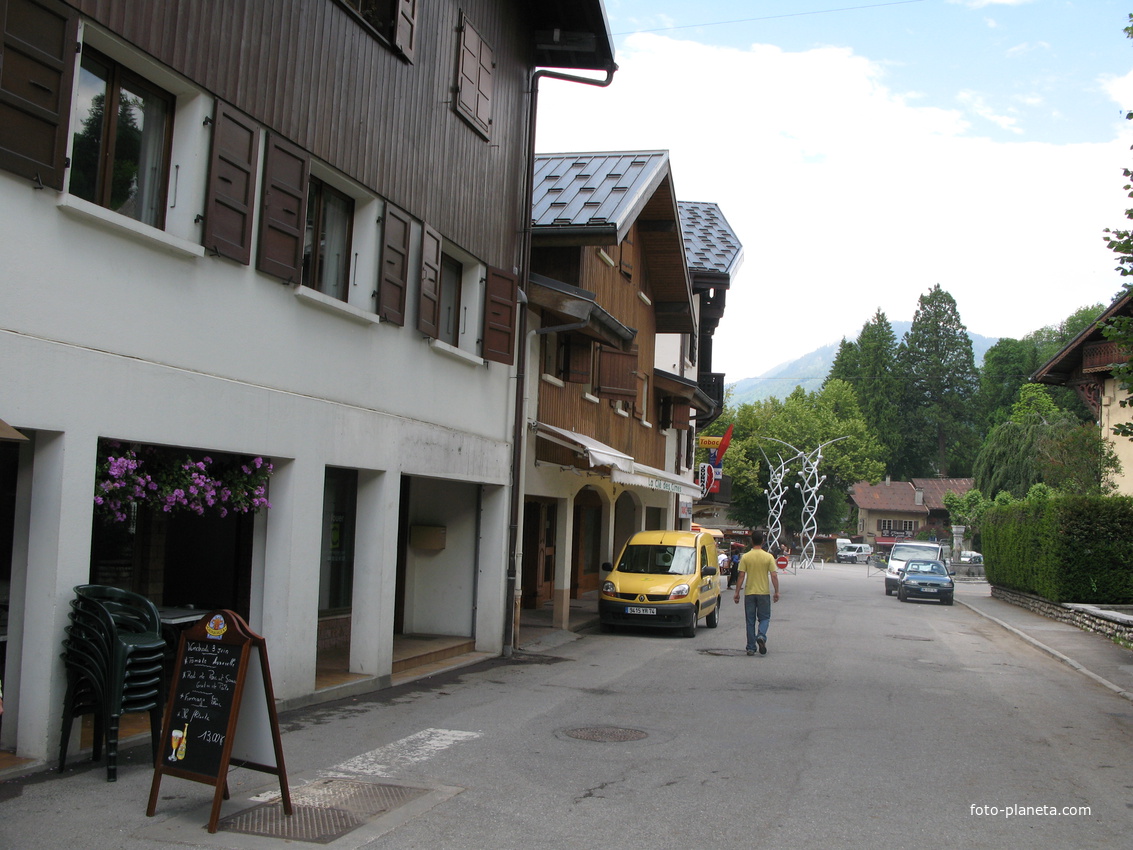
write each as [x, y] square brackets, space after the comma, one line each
[1091, 618]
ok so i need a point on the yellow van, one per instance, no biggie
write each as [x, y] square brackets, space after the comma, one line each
[665, 579]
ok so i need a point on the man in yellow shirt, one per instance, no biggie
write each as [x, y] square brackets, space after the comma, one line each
[757, 567]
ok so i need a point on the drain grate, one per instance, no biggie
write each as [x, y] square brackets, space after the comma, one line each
[606, 734]
[322, 812]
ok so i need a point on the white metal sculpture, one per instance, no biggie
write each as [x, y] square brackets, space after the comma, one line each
[808, 488]
[776, 493]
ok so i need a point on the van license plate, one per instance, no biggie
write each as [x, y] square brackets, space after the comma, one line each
[630, 609]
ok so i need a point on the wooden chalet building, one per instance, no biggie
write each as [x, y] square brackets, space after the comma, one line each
[1086, 365]
[610, 448]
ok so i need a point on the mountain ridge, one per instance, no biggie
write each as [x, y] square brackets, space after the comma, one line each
[810, 370]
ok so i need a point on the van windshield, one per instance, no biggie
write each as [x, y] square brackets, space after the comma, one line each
[673, 560]
[906, 552]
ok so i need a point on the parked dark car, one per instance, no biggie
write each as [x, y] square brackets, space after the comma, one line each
[926, 580]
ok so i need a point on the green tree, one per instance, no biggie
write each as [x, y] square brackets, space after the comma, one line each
[1042, 444]
[805, 421]
[937, 412]
[1007, 366]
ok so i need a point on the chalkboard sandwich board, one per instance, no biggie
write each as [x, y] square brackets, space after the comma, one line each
[221, 710]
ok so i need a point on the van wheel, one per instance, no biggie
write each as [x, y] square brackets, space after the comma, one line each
[713, 619]
[690, 629]
[888, 590]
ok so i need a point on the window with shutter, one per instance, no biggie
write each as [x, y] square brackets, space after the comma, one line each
[231, 184]
[675, 414]
[287, 170]
[617, 374]
[120, 155]
[37, 52]
[394, 282]
[499, 316]
[474, 80]
[326, 243]
[394, 20]
[578, 359]
[429, 298]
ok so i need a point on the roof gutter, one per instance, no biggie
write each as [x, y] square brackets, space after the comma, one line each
[519, 434]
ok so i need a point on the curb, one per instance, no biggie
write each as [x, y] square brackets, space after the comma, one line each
[1054, 653]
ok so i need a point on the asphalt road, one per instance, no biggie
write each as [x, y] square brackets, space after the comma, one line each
[870, 723]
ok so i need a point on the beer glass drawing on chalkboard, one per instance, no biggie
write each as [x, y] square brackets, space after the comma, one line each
[177, 737]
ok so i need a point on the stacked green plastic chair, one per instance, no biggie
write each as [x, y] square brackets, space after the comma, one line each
[114, 655]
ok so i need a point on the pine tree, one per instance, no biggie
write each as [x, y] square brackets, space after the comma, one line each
[936, 362]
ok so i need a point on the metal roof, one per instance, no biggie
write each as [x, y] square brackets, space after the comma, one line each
[710, 243]
[595, 192]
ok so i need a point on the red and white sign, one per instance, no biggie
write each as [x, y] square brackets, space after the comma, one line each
[781, 562]
[708, 483]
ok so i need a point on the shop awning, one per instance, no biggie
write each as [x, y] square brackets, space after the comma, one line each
[597, 453]
[7, 432]
[656, 479]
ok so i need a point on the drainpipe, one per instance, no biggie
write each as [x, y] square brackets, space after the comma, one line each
[519, 432]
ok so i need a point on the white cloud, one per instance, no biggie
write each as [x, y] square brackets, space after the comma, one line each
[1119, 89]
[976, 103]
[849, 196]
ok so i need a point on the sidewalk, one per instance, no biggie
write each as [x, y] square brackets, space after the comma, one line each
[536, 627]
[1094, 655]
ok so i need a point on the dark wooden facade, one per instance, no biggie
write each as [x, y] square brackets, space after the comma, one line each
[314, 73]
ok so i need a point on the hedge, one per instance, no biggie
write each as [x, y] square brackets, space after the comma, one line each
[1065, 548]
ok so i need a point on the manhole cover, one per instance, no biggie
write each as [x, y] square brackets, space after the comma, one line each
[606, 734]
[724, 652]
[322, 812]
[909, 637]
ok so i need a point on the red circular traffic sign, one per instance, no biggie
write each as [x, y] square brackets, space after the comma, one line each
[781, 562]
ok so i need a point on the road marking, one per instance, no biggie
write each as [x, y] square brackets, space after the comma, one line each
[399, 755]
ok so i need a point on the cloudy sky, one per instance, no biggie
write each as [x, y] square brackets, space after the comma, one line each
[864, 151]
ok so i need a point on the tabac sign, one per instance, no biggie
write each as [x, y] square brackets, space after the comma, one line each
[710, 477]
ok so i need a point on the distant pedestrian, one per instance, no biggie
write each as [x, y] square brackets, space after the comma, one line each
[756, 569]
[734, 566]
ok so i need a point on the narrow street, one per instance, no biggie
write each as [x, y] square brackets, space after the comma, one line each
[869, 723]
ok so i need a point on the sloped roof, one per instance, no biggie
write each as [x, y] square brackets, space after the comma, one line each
[572, 34]
[935, 488]
[595, 194]
[597, 198]
[711, 246]
[894, 496]
[1061, 368]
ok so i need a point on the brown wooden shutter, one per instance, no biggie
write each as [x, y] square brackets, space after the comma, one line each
[429, 298]
[232, 184]
[475, 79]
[617, 374]
[499, 316]
[405, 28]
[38, 39]
[283, 219]
[626, 258]
[393, 280]
[578, 359]
[675, 414]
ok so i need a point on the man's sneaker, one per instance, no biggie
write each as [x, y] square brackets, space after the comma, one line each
[751, 652]
[762, 646]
